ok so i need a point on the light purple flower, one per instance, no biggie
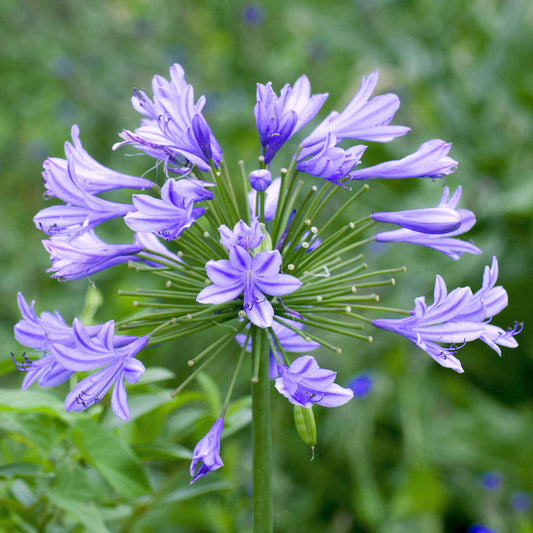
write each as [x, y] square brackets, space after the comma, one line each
[456, 318]
[331, 162]
[207, 452]
[429, 161]
[279, 118]
[169, 216]
[260, 179]
[79, 171]
[252, 276]
[364, 118]
[305, 383]
[422, 226]
[86, 254]
[271, 200]
[247, 237]
[174, 129]
[113, 354]
[151, 243]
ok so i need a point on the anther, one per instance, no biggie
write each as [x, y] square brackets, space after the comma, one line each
[352, 225]
[305, 245]
[168, 284]
[180, 253]
[308, 221]
[190, 362]
[314, 188]
[241, 313]
[348, 309]
[206, 234]
[314, 230]
[290, 266]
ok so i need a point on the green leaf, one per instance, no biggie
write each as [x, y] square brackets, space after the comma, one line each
[34, 400]
[82, 512]
[162, 452]
[30, 470]
[112, 457]
[211, 391]
[192, 491]
[155, 374]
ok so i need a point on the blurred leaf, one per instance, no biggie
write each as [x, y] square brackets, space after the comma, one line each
[112, 457]
[193, 491]
[211, 392]
[22, 493]
[34, 400]
[29, 470]
[162, 452]
[85, 513]
[155, 374]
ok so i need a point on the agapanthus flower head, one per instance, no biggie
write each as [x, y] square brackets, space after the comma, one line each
[254, 276]
[174, 129]
[456, 318]
[305, 383]
[279, 118]
[433, 228]
[173, 213]
[207, 452]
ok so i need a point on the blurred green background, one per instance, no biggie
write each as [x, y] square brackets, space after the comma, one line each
[409, 457]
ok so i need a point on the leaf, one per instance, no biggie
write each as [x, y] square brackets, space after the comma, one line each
[211, 391]
[34, 400]
[163, 452]
[83, 512]
[112, 457]
[155, 374]
[192, 491]
[30, 470]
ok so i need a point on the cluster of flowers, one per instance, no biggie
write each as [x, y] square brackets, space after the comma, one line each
[270, 268]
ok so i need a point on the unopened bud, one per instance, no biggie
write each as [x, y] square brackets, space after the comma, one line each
[260, 179]
[304, 420]
[168, 284]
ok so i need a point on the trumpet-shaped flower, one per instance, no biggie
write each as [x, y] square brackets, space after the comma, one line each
[431, 160]
[305, 383]
[364, 118]
[112, 354]
[174, 129]
[86, 254]
[64, 178]
[456, 318]
[433, 228]
[253, 276]
[279, 118]
[207, 452]
[173, 213]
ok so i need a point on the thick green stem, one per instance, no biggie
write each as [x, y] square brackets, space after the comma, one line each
[261, 437]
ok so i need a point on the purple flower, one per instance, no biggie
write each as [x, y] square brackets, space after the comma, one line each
[40, 333]
[173, 213]
[491, 480]
[260, 179]
[279, 118]
[456, 318]
[305, 383]
[478, 528]
[425, 226]
[361, 385]
[86, 254]
[175, 130]
[251, 275]
[112, 354]
[247, 237]
[63, 178]
[207, 452]
[271, 200]
[521, 500]
[429, 161]
[362, 118]
[150, 243]
[331, 162]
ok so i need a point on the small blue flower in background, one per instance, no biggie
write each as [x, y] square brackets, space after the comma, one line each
[361, 385]
[254, 14]
[490, 480]
[207, 452]
[478, 528]
[521, 500]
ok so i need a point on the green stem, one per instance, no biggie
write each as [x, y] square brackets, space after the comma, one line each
[261, 437]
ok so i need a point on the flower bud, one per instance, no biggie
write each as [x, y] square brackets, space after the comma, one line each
[304, 420]
[260, 179]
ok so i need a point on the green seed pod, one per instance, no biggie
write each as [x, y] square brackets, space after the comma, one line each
[304, 420]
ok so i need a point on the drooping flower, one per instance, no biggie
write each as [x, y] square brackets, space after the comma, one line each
[247, 237]
[252, 276]
[305, 383]
[456, 318]
[64, 177]
[173, 213]
[207, 452]
[431, 227]
[364, 118]
[113, 354]
[430, 160]
[175, 130]
[279, 118]
[86, 254]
